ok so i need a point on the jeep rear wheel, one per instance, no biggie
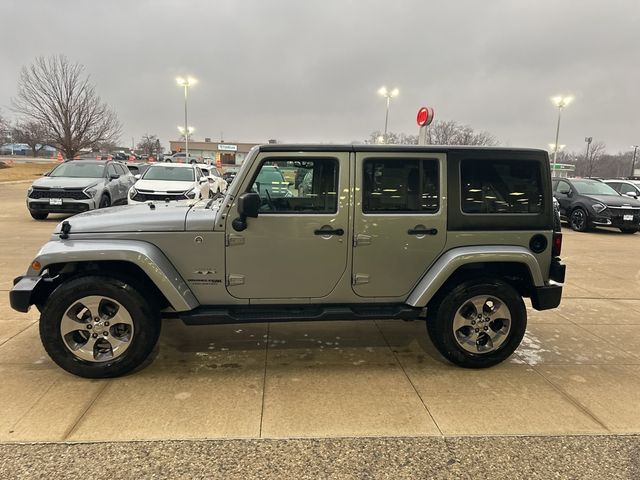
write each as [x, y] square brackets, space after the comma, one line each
[98, 327]
[478, 324]
[579, 221]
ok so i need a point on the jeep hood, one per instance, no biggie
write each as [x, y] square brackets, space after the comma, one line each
[165, 217]
[66, 182]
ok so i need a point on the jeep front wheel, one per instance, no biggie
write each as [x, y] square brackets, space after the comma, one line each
[478, 324]
[98, 327]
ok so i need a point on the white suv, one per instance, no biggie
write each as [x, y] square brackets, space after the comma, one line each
[170, 181]
[180, 158]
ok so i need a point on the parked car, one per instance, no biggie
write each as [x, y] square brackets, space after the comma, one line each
[138, 168]
[79, 185]
[180, 158]
[217, 184]
[587, 203]
[374, 238]
[270, 184]
[229, 174]
[163, 182]
[630, 188]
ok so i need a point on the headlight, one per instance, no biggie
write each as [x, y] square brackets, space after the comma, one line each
[91, 191]
[190, 193]
[598, 207]
[132, 192]
[29, 190]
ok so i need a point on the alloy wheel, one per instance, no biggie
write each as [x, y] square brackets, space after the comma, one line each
[482, 324]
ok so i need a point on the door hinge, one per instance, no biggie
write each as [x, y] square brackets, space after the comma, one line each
[235, 279]
[233, 239]
[361, 239]
[360, 278]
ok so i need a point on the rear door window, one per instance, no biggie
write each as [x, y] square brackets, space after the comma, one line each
[501, 187]
[398, 185]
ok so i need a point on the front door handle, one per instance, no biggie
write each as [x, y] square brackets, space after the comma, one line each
[422, 231]
[328, 231]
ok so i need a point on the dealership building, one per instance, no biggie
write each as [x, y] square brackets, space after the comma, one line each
[227, 153]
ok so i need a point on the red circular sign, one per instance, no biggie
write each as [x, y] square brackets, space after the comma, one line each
[425, 116]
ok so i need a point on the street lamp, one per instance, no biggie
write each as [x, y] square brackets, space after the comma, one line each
[186, 83]
[633, 162]
[560, 101]
[388, 94]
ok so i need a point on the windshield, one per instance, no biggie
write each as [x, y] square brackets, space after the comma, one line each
[176, 174]
[79, 170]
[593, 187]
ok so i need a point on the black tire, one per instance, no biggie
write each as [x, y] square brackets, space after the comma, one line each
[144, 315]
[579, 220]
[441, 316]
[38, 215]
[105, 201]
[629, 230]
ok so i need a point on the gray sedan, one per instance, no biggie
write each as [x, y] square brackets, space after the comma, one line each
[78, 186]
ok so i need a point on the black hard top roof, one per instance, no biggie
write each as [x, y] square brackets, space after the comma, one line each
[311, 147]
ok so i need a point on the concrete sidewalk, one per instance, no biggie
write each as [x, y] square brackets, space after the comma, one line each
[577, 372]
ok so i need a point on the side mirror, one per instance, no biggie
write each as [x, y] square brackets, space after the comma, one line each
[203, 180]
[114, 176]
[46, 174]
[631, 194]
[248, 206]
[137, 176]
[565, 192]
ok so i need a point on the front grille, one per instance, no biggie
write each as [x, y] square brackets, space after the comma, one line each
[72, 193]
[65, 207]
[157, 197]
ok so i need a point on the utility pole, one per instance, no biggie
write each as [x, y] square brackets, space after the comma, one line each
[633, 162]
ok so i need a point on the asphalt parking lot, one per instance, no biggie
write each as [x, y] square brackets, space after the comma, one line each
[576, 373]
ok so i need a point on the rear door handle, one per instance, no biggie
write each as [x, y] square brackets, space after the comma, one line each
[322, 231]
[422, 231]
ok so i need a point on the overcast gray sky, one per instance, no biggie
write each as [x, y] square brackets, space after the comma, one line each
[310, 70]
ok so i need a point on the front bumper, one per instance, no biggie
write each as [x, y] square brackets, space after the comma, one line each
[69, 205]
[22, 294]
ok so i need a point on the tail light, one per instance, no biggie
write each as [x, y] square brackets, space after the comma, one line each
[557, 244]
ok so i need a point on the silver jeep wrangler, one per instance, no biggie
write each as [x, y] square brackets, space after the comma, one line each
[453, 236]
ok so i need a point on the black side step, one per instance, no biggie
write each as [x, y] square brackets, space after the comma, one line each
[291, 313]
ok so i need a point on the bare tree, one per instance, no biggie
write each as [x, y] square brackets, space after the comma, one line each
[440, 133]
[58, 94]
[595, 154]
[150, 145]
[5, 130]
[32, 133]
[450, 132]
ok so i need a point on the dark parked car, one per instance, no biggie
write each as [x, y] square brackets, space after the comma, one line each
[138, 168]
[586, 203]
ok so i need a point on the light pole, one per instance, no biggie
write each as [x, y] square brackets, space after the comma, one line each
[633, 162]
[560, 102]
[388, 94]
[186, 83]
[588, 140]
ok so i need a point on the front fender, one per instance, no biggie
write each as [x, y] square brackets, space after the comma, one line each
[455, 258]
[145, 255]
